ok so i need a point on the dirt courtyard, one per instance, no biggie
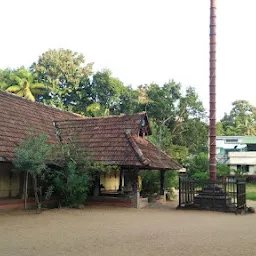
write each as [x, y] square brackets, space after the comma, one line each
[121, 231]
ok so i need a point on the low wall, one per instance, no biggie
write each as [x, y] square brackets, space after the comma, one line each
[143, 202]
[109, 200]
[135, 202]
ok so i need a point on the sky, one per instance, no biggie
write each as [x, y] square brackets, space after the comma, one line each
[141, 41]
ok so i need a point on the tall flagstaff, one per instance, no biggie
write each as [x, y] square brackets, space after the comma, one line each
[212, 90]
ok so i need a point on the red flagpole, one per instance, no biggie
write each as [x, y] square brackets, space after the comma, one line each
[212, 90]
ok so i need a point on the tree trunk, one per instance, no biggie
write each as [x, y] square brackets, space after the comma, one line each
[35, 192]
[26, 191]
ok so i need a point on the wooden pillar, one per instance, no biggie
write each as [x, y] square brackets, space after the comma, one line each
[121, 180]
[162, 181]
[162, 185]
[96, 191]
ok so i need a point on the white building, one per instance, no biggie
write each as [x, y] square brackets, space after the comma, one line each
[239, 152]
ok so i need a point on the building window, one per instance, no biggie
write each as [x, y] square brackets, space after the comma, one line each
[231, 140]
[243, 168]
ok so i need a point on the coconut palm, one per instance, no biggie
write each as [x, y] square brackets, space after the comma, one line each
[25, 85]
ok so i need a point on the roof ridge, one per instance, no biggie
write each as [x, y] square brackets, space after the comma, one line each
[102, 117]
[38, 103]
[144, 160]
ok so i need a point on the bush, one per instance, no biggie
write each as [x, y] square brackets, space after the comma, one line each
[151, 181]
[71, 185]
[171, 180]
[198, 167]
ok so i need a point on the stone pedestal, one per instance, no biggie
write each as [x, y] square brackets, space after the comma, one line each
[212, 197]
[138, 202]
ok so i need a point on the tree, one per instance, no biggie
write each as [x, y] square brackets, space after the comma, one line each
[111, 94]
[66, 76]
[5, 80]
[160, 101]
[219, 129]
[241, 120]
[198, 167]
[31, 156]
[178, 124]
[21, 82]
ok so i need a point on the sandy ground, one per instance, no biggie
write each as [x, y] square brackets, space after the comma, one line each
[97, 230]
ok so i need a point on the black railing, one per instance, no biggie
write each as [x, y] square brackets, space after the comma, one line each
[226, 194]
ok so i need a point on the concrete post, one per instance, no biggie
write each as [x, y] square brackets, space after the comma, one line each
[135, 192]
[136, 199]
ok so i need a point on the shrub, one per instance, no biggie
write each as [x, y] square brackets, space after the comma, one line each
[151, 181]
[198, 167]
[71, 185]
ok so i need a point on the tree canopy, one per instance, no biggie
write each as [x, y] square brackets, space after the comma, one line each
[65, 74]
[240, 121]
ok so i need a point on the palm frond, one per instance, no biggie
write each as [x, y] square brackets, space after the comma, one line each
[20, 93]
[28, 94]
[24, 83]
[37, 91]
[14, 77]
[37, 86]
[14, 88]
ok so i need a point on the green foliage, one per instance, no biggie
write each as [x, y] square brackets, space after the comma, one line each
[151, 181]
[241, 119]
[76, 174]
[198, 167]
[178, 120]
[65, 74]
[32, 154]
[21, 82]
[251, 191]
[111, 94]
[5, 80]
[223, 169]
[71, 184]
[160, 103]
[219, 129]
[72, 173]
[171, 180]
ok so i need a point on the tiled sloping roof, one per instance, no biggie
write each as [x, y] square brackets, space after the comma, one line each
[104, 137]
[19, 115]
[110, 140]
[156, 157]
[114, 140]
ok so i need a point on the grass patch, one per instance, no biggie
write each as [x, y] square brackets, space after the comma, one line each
[251, 191]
